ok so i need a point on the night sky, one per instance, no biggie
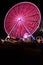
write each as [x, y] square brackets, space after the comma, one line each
[5, 5]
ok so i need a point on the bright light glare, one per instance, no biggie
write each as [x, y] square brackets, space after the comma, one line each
[26, 35]
[19, 19]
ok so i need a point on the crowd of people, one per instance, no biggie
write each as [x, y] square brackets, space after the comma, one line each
[23, 41]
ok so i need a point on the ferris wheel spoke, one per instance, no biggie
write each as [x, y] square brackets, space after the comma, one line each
[17, 33]
[20, 9]
[17, 10]
[31, 19]
[24, 10]
[21, 32]
[14, 14]
[31, 15]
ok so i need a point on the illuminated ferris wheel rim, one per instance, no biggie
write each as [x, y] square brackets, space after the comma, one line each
[19, 4]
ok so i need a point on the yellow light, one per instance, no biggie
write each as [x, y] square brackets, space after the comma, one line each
[8, 36]
[2, 40]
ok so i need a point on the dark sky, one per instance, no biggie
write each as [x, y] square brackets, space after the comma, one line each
[5, 5]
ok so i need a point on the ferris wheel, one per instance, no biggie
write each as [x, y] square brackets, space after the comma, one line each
[22, 18]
